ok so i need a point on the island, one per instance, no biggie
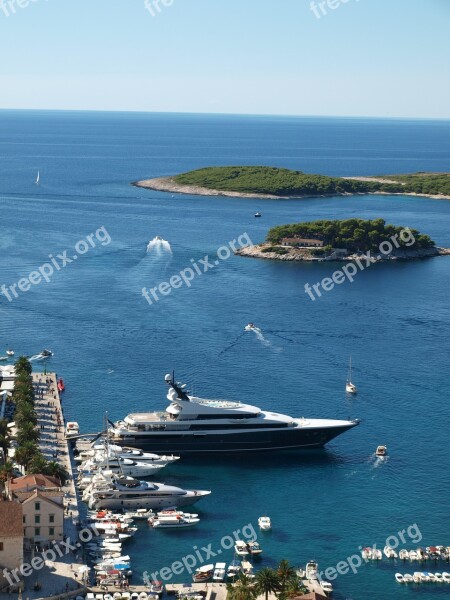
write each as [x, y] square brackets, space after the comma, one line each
[348, 240]
[276, 183]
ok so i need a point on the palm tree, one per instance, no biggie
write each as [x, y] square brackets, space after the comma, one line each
[243, 589]
[27, 432]
[286, 574]
[25, 453]
[22, 364]
[25, 413]
[55, 469]
[267, 580]
[6, 471]
[4, 435]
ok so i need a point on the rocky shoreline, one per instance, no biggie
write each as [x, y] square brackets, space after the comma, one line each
[168, 184]
[304, 254]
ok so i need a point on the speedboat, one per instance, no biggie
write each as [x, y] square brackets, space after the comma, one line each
[446, 577]
[389, 552]
[176, 521]
[403, 554]
[377, 554]
[264, 523]
[122, 466]
[141, 514]
[258, 214]
[254, 548]
[234, 568]
[399, 578]
[381, 451]
[311, 570]
[251, 327]
[326, 586]
[407, 578]
[247, 569]
[203, 573]
[240, 548]
[219, 572]
[132, 453]
[72, 429]
[10, 352]
[192, 424]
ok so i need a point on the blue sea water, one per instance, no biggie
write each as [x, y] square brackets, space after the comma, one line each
[113, 349]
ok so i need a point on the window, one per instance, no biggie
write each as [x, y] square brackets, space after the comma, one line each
[37, 506]
[24, 518]
[37, 519]
[51, 531]
[51, 518]
[37, 531]
[1, 546]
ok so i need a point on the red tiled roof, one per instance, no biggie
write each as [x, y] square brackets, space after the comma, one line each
[11, 515]
[32, 482]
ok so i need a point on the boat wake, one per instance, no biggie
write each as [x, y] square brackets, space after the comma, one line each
[159, 246]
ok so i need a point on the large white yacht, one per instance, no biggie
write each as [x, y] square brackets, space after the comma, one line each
[196, 425]
[125, 493]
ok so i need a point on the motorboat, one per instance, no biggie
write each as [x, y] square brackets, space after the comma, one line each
[438, 578]
[192, 424]
[72, 429]
[446, 577]
[240, 548]
[389, 552]
[251, 327]
[366, 553]
[311, 570]
[350, 387]
[219, 572]
[141, 514]
[381, 451]
[122, 466]
[413, 555]
[203, 573]
[264, 523]
[376, 554]
[234, 568]
[254, 548]
[403, 554]
[247, 569]
[61, 385]
[425, 577]
[157, 587]
[131, 453]
[326, 586]
[407, 578]
[417, 577]
[128, 493]
[258, 214]
[10, 352]
[399, 578]
[175, 521]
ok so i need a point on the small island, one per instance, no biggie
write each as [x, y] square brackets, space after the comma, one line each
[275, 183]
[347, 240]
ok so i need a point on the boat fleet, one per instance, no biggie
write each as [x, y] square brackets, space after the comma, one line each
[420, 554]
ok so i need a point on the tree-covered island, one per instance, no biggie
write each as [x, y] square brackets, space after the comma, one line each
[272, 182]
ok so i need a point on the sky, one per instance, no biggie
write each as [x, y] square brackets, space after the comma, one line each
[385, 58]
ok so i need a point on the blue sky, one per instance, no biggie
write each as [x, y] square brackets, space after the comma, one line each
[362, 58]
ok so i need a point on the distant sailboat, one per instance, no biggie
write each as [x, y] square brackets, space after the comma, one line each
[38, 178]
[350, 387]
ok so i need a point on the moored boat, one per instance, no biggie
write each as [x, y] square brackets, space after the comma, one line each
[203, 573]
[219, 572]
[264, 523]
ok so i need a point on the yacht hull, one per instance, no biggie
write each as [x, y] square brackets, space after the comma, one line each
[154, 502]
[218, 442]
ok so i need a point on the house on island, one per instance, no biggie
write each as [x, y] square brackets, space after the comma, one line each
[42, 501]
[303, 242]
[11, 539]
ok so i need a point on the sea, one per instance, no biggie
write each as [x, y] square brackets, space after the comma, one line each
[113, 348]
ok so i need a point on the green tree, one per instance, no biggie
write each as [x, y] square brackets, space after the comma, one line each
[55, 469]
[27, 432]
[267, 581]
[243, 589]
[25, 453]
[23, 365]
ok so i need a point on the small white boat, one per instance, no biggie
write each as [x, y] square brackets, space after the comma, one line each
[264, 523]
[240, 548]
[438, 578]
[424, 577]
[311, 570]
[247, 569]
[417, 577]
[203, 573]
[258, 214]
[389, 552]
[446, 577]
[399, 578]
[10, 352]
[366, 553]
[38, 178]
[157, 587]
[173, 522]
[407, 578]
[234, 568]
[403, 554]
[377, 554]
[254, 548]
[350, 387]
[326, 586]
[143, 596]
[219, 572]
[72, 429]
[141, 514]
[381, 451]
[413, 555]
[251, 327]
[431, 577]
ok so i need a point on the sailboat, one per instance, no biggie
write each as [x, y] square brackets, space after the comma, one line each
[38, 178]
[350, 387]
